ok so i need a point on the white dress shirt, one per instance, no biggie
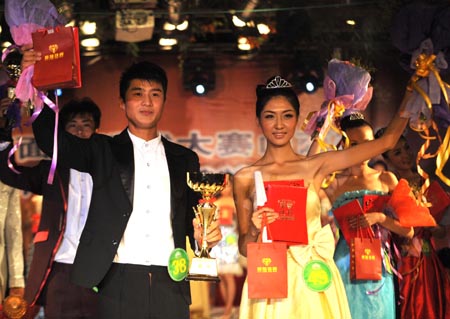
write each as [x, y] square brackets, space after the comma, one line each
[148, 237]
[78, 201]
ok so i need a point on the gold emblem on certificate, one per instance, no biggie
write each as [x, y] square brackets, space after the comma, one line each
[203, 267]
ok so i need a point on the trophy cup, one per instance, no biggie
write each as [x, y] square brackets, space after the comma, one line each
[204, 267]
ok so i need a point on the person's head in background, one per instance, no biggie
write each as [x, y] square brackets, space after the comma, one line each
[400, 158]
[80, 117]
[402, 161]
[357, 130]
[379, 165]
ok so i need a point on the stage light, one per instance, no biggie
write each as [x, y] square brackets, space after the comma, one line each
[238, 22]
[167, 44]
[201, 83]
[306, 72]
[172, 27]
[263, 28]
[90, 43]
[198, 75]
[308, 83]
[200, 89]
[244, 44]
[88, 27]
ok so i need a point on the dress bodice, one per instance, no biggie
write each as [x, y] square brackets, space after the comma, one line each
[351, 195]
[313, 211]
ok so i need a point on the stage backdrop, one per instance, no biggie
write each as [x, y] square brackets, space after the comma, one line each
[221, 127]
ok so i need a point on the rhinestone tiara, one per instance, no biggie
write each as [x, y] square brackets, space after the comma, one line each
[277, 83]
[356, 116]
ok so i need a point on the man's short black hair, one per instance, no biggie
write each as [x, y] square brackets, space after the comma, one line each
[79, 107]
[146, 71]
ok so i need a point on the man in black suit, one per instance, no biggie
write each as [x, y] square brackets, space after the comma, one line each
[64, 209]
[141, 207]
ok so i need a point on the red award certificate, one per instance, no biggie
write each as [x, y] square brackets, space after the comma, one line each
[374, 203]
[343, 213]
[288, 199]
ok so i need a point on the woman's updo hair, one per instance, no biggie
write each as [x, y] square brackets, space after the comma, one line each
[350, 121]
[353, 120]
[275, 86]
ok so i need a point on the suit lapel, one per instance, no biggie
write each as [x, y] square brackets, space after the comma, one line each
[122, 148]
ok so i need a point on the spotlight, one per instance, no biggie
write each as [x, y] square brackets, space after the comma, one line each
[200, 88]
[88, 27]
[309, 83]
[200, 84]
[199, 75]
[307, 75]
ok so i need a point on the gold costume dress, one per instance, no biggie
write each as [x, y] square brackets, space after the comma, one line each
[303, 302]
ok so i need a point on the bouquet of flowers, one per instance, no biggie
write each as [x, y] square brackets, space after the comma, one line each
[25, 17]
[346, 88]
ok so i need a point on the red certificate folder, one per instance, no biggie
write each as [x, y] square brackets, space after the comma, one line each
[374, 203]
[288, 198]
[60, 63]
[342, 213]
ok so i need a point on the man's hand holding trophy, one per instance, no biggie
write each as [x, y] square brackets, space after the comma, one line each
[206, 226]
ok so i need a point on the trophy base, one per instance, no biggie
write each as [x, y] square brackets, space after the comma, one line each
[197, 277]
[203, 269]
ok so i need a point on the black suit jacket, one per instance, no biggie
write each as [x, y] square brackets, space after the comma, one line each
[110, 161]
[52, 220]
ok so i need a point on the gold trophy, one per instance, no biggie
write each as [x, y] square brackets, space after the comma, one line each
[203, 267]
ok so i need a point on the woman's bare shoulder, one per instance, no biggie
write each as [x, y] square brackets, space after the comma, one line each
[389, 179]
[246, 172]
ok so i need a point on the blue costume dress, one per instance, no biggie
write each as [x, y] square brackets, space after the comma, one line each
[367, 299]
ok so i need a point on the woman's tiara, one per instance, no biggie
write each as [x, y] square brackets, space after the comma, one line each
[356, 116]
[278, 83]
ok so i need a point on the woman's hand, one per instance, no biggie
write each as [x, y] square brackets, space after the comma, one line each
[258, 216]
[366, 220]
